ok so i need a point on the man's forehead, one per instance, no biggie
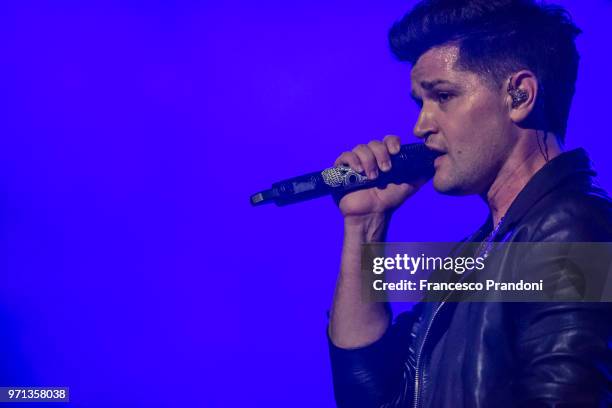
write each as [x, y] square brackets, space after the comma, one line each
[435, 66]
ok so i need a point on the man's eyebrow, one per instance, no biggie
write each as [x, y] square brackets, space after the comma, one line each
[430, 84]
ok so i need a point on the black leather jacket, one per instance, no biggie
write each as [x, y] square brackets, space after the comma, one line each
[499, 354]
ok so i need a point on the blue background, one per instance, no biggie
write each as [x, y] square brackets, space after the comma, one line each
[134, 270]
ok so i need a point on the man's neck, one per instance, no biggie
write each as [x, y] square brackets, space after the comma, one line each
[524, 161]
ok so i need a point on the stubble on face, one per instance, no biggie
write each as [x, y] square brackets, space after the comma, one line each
[463, 116]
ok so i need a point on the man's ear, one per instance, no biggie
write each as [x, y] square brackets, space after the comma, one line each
[522, 92]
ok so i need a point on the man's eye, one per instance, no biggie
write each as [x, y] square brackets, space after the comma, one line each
[443, 97]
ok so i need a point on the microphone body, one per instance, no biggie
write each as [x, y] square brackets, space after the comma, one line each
[413, 161]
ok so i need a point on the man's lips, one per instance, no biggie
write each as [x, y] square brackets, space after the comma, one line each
[438, 159]
[439, 152]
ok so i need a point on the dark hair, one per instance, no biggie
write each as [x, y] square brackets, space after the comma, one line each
[495, 39]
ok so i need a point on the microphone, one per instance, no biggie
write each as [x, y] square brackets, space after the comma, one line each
[413, 161]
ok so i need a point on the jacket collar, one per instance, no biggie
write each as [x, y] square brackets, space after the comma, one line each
[549, 177]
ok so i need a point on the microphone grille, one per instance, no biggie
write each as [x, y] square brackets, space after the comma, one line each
[341, 176]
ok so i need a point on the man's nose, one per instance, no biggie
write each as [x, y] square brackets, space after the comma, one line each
[425, 125]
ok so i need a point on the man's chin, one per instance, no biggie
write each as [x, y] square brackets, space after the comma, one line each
[448, 187]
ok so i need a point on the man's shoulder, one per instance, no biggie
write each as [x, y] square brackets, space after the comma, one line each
[571, 214]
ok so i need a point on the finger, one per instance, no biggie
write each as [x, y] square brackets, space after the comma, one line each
[393, 143]
[368, 160]
[349, 159]
[383, 159]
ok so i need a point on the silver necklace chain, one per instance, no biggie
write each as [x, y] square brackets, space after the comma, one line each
[485, 246]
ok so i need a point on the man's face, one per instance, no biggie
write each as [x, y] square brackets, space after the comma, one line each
[465, 118]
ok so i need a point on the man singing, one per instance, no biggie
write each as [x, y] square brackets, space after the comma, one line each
[494, 80]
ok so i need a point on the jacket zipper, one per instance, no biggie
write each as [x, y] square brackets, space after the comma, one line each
[417, 379]
[418, 358]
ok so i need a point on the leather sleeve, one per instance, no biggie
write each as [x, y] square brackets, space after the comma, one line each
[563, 348]
[563, 354]
[374, 376]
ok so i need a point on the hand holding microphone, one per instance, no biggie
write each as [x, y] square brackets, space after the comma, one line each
[377, 164]
[397, 183]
